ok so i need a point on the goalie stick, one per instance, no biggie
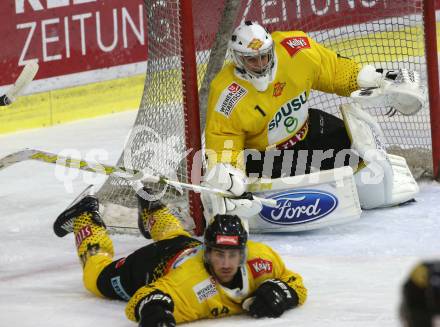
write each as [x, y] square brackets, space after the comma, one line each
[26, 76]
[131, 175]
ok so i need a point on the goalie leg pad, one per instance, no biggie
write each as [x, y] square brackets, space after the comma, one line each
[386, 179]
[307, 202]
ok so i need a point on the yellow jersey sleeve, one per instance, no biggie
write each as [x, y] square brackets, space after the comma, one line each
[337, 74]
[331, 72]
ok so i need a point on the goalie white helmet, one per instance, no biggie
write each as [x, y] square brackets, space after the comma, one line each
[252, 50]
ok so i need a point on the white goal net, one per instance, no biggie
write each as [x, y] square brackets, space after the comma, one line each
[388, 34]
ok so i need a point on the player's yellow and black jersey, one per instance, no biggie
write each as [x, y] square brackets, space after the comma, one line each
[197, 295]
[120, 279]
[239, 117]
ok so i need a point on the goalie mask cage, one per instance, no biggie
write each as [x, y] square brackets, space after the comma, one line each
[181, 36]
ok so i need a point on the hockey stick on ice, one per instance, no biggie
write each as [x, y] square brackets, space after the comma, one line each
[26, 76]
[132, 175]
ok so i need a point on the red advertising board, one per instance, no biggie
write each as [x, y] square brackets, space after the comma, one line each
[323, 14]
[305, 15]
[71, 36]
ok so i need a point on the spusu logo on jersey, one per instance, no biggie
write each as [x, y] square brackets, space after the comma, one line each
[287, 120]
[295, 44]
[299, 206]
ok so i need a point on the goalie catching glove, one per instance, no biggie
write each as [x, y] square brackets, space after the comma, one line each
[271, 299]
[156, 310]
[230, 179]
[399, 89]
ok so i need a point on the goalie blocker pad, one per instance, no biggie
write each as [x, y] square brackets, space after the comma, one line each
[386, 179]
[306, 202]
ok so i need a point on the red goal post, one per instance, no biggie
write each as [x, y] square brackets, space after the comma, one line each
[429, 14]
[186, 46]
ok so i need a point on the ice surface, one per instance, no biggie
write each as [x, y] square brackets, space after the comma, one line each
[353, 272]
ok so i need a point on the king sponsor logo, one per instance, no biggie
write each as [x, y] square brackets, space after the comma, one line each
[299, 207]
[204, 290]
[229, 98]
[260, 267]
[293, 45]
[287, 119]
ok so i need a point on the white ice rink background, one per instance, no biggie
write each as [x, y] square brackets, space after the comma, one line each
[353, 271]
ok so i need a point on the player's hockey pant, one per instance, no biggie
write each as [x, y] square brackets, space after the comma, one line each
[326, 146]
[121, 278]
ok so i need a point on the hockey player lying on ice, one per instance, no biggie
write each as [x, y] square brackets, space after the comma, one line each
[259, 102]
[177, 278]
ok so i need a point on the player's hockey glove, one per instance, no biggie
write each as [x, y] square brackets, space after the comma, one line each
[227, 178]
[4, 100]
[156, 310]
[272, 298]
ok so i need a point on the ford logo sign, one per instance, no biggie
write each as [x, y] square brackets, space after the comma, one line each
[299, 206]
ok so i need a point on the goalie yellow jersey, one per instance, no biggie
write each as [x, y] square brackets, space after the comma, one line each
[197, 295]
[239, 117]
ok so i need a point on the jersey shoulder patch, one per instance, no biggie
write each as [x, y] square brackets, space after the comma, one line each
[295, 44]
[228, 99]
[259, 267]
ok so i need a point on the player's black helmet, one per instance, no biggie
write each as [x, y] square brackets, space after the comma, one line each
[421, 296]
[226, 231]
